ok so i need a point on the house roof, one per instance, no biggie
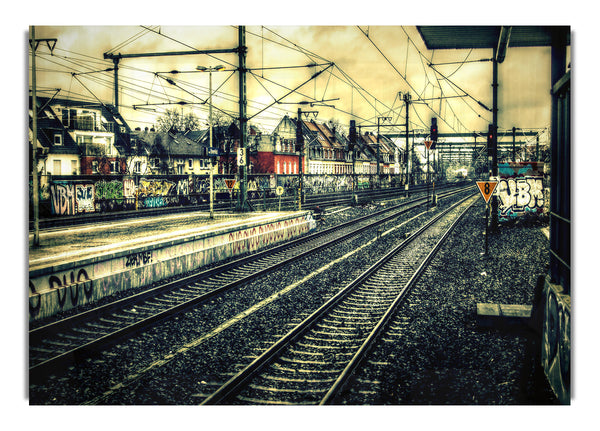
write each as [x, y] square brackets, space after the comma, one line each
[48, 125]
[173, 144]
[313, 127]
[329, 135]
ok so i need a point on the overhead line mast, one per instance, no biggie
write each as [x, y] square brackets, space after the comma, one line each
[241, 50]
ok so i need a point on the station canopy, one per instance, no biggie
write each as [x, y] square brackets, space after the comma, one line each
[481, 36]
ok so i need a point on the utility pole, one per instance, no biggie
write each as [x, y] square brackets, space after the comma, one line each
[36, 190]
[242, 199]
[494, 223]
[378, 123]
[34, 162]
[116, 75]
[407, 98]
[514, 157]
[300, 149]
[210, 70]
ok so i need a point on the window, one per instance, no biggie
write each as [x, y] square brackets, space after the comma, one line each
[114, 167]
[180, 169]
[95, 167]
[56, 167]
[191, 164]
[57, 139]
[137, 167]
[74, 167]
[81, 139]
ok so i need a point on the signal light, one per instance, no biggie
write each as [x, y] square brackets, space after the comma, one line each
[490, 139]
[433, 131]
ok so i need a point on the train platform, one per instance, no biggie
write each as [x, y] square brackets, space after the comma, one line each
[81, 264]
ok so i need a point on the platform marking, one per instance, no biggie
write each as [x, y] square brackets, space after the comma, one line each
[131, 378]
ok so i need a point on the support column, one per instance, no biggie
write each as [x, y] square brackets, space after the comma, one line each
[242, 198]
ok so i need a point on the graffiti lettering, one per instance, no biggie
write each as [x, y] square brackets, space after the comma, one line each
[85, 198]
[520, 195]
[183, 187]
[55, 283]
[63, 198]
[128, 188]
[154, 202]
[155, 187]
[138, 259]
[109, 190]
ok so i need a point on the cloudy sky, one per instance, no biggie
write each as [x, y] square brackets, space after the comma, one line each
[372, 65]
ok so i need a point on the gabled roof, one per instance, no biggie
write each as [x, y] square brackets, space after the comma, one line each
[313, 127]
[329, 135]
[109, 112]
[173, 144]
[48, 125]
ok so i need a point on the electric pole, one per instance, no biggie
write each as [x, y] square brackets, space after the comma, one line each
[407, 98]
[242, 200]
[33, 42]
[379, 119]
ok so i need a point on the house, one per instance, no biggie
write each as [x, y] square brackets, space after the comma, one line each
[172, 153]
[226, 139]
[284, 158]
[58, 153]
[98, 130]
[383, 153]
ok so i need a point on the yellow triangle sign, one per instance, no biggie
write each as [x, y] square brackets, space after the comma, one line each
[230, 184]
[487, 188]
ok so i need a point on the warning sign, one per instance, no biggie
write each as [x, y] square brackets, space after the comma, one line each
[428, 144]
[487, 188]
[230, 184]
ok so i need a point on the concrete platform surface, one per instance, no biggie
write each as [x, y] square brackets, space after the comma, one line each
[75, 243]
[82, 264]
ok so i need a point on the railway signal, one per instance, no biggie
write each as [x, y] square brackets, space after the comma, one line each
[433, 131]
[486, 188]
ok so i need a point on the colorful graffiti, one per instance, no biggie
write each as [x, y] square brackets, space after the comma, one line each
[556, 341]
[520, 190]
[129, 188]
[85, 198]
[63, 198]
[152, 187]
[152, 192]
[109, 190]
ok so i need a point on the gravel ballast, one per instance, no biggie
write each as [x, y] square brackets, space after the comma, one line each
[449, 359]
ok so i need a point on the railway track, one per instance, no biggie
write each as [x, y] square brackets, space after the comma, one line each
[313, 362]
[287, 203]
[54, 346]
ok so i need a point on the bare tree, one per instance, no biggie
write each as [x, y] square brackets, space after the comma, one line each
[173, 121]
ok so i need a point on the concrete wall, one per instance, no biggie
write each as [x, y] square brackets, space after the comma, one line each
[64, 286]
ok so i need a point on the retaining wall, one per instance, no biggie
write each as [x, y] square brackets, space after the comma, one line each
[63, 286]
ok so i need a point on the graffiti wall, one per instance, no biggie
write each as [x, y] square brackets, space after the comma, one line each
[56, 288]
[520, 190]
[556, 341]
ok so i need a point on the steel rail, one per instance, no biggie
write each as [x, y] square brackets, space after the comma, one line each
[370, 341]
[36, 336]
[237, 382]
